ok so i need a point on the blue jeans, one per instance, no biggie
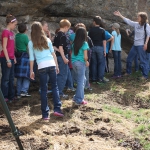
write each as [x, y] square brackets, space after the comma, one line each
[117, 63]
[22, 85]
[136, 63]
[69, 82]
[43, 73]
[144, 60]
[7, 80]
[87, 84]
[63, 74]
[79, 70]
[98, 63]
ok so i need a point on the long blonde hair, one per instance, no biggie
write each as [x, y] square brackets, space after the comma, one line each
[38, 37]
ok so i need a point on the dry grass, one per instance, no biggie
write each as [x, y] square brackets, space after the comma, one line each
[111, 120]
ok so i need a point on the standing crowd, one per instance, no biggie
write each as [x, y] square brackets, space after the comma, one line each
[69, 59]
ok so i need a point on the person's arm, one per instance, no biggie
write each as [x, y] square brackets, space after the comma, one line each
[86, 58]
[104, 45]
[55, 59]
[5, 40]
[128, 21]
[111, 40]
[146, 42]
[31, 57]
[55, 48]
[61, 50]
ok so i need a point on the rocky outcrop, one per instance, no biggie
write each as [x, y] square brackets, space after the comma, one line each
[74, 10]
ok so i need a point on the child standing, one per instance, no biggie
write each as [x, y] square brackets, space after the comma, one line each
[116, 50]
[60, 42]
[8, 58]
[42, 48]
[22, 69]
[80, 61]
[90, 44]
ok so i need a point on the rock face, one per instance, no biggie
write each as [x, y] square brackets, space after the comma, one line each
[76, 11]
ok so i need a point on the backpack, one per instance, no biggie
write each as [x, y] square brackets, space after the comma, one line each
[148, 44]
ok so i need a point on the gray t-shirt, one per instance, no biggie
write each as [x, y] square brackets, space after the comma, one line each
[139, 35]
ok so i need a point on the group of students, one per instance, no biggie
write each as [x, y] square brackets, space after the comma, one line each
[71, 57]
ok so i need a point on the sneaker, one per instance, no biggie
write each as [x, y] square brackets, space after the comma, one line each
[71, 89]
[18, 96]
[101, 82]
[105, 79]
[89, 89]
[46, 118]
[49, 91]
[64, 97]
[58, 114]
[119, 76]
[82, 103]
[23, 94]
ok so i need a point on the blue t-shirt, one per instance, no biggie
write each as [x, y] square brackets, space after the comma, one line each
[117, 41]
[72, 37]
[80, 56]
[107, 37]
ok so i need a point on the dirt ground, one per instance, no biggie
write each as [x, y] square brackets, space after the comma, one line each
[115, 118]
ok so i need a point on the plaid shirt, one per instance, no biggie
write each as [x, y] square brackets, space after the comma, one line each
[22, 68]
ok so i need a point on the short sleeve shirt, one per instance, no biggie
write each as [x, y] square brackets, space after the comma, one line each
[10, 43]
[107, 36]
[117, 41]
[21, 41]
[61, 40]
[80, 56]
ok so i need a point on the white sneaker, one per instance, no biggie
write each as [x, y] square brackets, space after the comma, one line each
[105, 79]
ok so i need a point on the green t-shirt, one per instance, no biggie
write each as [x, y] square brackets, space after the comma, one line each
[80, 56]
[21, 42]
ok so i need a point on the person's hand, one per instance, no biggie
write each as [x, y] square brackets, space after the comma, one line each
[15, 61]
[32, 75]
[87, 64]
[66, 61]
[110, 51]
[57, 70]
[9, 64]
[145, 47]
[117, 13]
[104, 54]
